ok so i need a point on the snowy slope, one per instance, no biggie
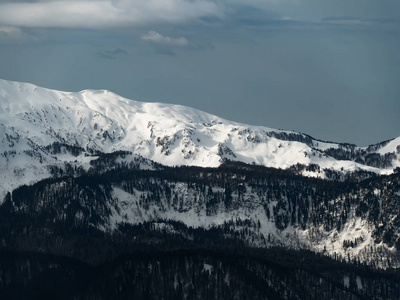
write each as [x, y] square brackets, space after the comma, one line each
[32, 118]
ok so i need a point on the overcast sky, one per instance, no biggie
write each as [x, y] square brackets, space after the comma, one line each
[329, 68]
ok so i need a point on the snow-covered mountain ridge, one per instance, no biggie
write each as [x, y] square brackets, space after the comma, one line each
[105, 162]
[35, 120]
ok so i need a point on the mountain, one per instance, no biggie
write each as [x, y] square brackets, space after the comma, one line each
[99, 192]
[41, 128]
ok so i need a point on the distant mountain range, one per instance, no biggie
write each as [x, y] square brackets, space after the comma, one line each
[92, 178]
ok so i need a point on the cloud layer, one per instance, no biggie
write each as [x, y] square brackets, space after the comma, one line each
[101, 14]
[98, 14]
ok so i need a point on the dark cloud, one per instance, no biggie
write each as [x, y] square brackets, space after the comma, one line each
[112, 54]
[359, 21]
[162, 50]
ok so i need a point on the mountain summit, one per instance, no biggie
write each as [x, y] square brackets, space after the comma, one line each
[41, 128]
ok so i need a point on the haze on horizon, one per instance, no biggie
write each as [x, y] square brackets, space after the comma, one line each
[329, 69]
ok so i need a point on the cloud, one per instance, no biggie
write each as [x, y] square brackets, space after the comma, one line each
[103, 13]
[253, 16]
[164, 45]
[359, 21]
[345, 21]
[155, 37]
[10, 34]
[112, 54]
[10, 30]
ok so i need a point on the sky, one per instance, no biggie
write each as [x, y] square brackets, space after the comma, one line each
[328, 68]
